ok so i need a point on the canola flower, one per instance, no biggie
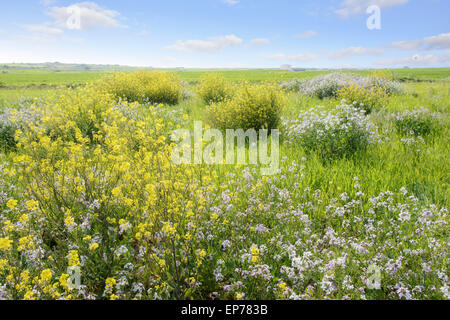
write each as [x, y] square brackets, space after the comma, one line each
[11, 204]
[252, 106]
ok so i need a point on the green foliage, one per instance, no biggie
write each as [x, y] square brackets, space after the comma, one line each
[416, 122]
[143, 86]
[254, 106]
[214, 88]
[367, 99]
[7, 132]
[335, 134]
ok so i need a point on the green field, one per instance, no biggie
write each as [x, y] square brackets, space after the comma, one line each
[29, 81]
[46, 77]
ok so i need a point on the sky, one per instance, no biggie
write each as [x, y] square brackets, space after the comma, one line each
[228, 33]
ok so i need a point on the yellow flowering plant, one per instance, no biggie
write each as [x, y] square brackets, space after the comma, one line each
[214, 88]
[144, 86]
[367, 99]
[253, 106]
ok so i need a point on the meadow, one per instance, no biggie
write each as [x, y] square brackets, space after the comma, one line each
[358, 208]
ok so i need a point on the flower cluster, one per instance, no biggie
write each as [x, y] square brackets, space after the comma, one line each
[334, 134]
[366, 99]
[418, 122]
[327, 86]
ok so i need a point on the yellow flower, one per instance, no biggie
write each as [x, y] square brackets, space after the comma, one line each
[110, 284]
[32, 205]
[169, 229]
[24, 218]
[69, 221]
[93, 246]
[29, 295]
[115, 192]
[3, 263]
[5, 244]
[202, 253]
[282, 286]
[11, 204]
[63, 280]
[255, 254]
[74, 260]
[46, 275]
[239, 296]
[113, 297]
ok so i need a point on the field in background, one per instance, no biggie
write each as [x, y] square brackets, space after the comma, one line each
[28, 81]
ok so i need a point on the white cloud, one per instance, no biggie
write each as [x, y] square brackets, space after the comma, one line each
[260, 41]
[231, 2]
[88, 14]
[356, 51]
[306, 35]
[40, 33]
[44, 34]
[407, 44]
[212, 45]
[354, 7]
[441, 41]
[416, 60]
[297, 58]
[43, 29]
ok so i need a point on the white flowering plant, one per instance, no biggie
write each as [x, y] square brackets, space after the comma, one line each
[338, 133]
[418, 122]
[327, 86]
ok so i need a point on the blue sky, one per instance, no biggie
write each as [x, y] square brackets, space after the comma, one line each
[227, 33]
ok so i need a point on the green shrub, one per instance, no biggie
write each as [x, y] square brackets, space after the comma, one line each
[335, 134]
[7, 132]
[214, 88]
[327, 86]
[254, 106]
[144, 87]
[367, 99]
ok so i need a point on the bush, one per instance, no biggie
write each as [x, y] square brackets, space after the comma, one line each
[335, 134]
[144, 86]
[252, 107]
[388, 86]
[214, 88]
[75, 114]
[417, 122]
[328, 86]
[363, 98]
